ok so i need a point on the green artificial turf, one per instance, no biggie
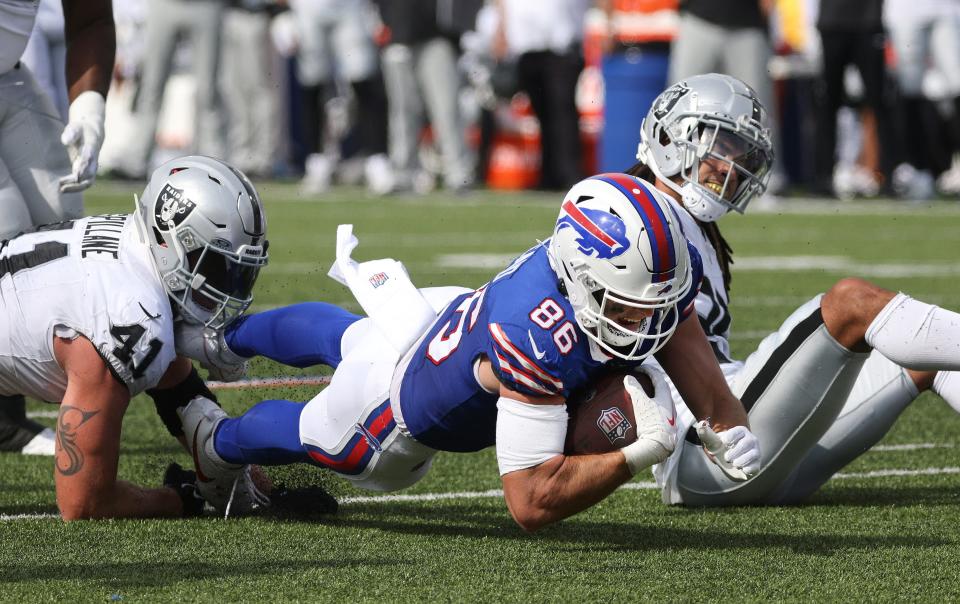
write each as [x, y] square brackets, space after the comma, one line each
[864, 537]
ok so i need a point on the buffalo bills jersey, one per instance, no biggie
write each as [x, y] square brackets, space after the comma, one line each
[523, 323]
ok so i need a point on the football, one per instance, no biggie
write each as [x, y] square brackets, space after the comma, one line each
[601, 415]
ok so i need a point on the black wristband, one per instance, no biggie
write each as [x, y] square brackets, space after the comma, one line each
[167, 400]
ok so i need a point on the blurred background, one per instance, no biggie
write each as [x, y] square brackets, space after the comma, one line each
[407, 96]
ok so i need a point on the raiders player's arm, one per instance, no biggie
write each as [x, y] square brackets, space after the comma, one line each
[689, 361]
[88, 443]
[561, 486]
[91, 45]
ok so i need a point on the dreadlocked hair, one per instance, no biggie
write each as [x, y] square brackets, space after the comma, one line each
[710, 229]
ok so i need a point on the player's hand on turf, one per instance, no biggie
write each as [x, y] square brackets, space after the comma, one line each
[209, 347]
[184, 482]
[83, 137]
[735, 451]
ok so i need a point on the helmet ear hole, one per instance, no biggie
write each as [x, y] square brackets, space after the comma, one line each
[663, 138]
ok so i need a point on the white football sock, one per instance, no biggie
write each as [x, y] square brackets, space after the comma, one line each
[947, 385]
[916, 335]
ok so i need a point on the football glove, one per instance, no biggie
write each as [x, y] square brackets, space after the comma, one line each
[656, 422]
[285, 34]
[83, 137]
[735, 451]
[209, 348]
[184, 482]
[301, 503]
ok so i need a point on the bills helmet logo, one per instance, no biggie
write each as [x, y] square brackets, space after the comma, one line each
[599, 234]
[613, 423]
[172, 206]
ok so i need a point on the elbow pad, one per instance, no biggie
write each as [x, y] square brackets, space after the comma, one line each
[528, 435]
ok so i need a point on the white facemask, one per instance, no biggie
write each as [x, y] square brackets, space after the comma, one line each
[701, 204]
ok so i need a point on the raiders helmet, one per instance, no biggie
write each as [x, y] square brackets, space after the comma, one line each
[709, 118]
[206, 229]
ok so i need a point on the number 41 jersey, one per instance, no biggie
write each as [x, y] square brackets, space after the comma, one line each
[525, 326]
[91, 277]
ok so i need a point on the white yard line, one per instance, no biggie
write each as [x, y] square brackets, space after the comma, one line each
[835, 264]
[495, 493]
[12, 517]
[911, 447]
[884, 473]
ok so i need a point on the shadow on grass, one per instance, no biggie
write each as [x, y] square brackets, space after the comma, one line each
[481, 522]
[131, 575]
[884, 496]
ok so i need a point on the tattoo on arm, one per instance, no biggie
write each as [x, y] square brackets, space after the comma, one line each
[69, 456]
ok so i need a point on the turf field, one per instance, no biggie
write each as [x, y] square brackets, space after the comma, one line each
[883, 530]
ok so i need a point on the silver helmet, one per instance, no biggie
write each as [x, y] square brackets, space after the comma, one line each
[206, 229]
[711, 119]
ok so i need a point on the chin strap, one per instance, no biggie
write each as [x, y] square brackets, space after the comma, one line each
[700, 204]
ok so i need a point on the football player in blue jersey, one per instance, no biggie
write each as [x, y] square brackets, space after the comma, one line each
[461, 370]
[832, 380]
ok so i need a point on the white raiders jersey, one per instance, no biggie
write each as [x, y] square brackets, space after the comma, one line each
[712, 303]
[92, 277]
[16, 23]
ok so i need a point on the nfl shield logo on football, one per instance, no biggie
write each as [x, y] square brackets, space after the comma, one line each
[613, 423]
[378, 279]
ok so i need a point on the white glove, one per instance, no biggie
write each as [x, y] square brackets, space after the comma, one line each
[208, 346]
[656, 422]
[285, 34]
[83, 137]
[735, 451]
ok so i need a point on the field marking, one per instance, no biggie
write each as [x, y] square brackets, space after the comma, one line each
[845, 265]
[13, 517]
[910, 447]
[804, 263]
[422, 497]
[278, 382]
[884, 473]
[494, 493]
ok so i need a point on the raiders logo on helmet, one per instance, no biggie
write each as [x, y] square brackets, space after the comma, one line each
[172, 206]
[669, 99]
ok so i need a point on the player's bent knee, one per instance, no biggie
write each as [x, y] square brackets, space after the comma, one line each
[849, 307]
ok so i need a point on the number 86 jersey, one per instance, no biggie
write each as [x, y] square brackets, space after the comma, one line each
[525, 326]
[91, 277]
